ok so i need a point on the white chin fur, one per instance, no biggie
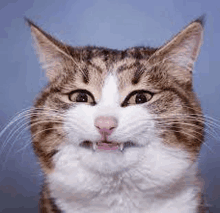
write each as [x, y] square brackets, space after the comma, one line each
[81, 178]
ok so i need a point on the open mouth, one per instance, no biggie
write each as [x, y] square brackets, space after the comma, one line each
[108, 146]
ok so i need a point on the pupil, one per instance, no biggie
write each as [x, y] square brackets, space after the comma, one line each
[140, 98]
[82, 97]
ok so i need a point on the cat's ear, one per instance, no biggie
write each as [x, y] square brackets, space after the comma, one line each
[52, 53]
[181, 52]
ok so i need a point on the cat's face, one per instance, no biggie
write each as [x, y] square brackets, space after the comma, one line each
[115, 112]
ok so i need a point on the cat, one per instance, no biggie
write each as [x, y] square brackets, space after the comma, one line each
[119, 131]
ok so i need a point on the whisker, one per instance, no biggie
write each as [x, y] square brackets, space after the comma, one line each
[19, 129]
[20, 123]
[44, 130]
[30, 141]
[207, 128]
[194, 136]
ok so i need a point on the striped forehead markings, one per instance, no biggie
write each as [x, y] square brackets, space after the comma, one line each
[138, 71]
[85, 70]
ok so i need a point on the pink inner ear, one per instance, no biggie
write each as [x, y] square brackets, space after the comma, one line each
[183, 49]
[196, 45]
[185, 54]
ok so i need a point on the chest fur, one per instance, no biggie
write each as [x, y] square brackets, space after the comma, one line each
[128, 201]
[86, 192]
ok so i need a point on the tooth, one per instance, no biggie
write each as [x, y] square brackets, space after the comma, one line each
[94, 146]
[121, 146]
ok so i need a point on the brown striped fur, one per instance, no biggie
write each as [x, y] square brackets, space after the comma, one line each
[159, 70]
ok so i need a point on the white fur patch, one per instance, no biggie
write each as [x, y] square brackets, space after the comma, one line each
[138, 180]
[110, 95]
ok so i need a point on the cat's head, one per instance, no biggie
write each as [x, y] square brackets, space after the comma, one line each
[111, 111]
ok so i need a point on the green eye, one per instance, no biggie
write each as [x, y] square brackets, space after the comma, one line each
[137, 97]
[83, 96]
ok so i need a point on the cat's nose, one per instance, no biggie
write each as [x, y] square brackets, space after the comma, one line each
[106, 125]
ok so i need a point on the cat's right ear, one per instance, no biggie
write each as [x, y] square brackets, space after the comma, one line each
[52, 53]
[179, 54]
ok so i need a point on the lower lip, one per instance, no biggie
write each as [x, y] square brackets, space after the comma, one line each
[107, 146]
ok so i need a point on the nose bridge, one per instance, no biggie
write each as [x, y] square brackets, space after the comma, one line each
[110, 93]
[106, 124]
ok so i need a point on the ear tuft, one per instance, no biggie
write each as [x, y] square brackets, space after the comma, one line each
[29, 22]
[201, 20]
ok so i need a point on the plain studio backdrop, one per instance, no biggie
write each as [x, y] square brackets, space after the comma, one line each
[115, 24]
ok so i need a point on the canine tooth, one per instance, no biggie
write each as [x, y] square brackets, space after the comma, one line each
[121, 146]
[94, 146]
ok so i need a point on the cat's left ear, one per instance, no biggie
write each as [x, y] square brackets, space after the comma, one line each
[180, 54]
[53, 54]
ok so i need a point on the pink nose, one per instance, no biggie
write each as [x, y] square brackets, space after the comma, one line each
[105, 125]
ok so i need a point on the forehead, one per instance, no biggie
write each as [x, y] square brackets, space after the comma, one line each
[127, 72]
[129, 67]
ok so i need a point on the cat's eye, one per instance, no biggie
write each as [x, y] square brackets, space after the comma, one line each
[137, 97]
[140, 98]
[82, 96]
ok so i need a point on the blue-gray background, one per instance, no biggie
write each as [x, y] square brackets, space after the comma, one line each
[115, 24]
